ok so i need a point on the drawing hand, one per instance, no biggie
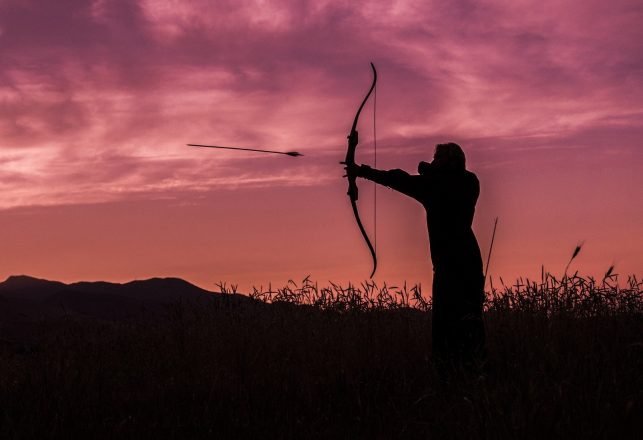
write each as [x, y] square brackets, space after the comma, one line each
[423, 168]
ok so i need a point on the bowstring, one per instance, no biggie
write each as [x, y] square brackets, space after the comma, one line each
[375, 165]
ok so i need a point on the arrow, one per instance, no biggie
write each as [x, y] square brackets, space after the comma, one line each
[493, 236]
[287, 153]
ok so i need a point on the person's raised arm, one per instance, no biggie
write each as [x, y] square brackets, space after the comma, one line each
[398, 180]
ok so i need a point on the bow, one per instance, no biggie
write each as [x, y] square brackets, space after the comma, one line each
[353, 140]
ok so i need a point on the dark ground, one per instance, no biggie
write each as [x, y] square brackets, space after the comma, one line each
[560, 365]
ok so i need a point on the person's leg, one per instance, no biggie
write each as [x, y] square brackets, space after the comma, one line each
[471, 333]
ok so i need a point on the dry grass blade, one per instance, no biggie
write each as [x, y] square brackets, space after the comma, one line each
[577, 250]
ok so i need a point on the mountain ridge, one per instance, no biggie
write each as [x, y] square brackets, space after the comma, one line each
[25, 297]
[28, 284]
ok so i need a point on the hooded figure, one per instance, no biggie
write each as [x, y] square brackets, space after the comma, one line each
[448, 193]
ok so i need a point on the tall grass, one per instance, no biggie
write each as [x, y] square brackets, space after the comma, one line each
[308, 361]
[365, 296]
[575, 295]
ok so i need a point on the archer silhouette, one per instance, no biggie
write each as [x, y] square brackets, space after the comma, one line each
[449, 193]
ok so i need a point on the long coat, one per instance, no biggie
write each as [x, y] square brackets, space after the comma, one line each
[449, 198]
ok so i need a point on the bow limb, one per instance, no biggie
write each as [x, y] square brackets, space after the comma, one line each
[353, 140]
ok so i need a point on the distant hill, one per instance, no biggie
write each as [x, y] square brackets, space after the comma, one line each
[26, 287]
[25, 298]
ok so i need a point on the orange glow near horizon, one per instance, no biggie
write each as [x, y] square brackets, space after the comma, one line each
[96, 107]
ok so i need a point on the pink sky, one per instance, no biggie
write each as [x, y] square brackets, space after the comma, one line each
[98, 99]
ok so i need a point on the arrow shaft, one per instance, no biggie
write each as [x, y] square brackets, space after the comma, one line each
[287, 153]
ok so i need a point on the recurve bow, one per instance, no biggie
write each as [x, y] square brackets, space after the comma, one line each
[353, 140]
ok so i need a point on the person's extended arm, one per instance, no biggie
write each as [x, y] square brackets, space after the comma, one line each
[398, 180]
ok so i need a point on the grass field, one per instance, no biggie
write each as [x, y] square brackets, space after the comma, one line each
[565, 360]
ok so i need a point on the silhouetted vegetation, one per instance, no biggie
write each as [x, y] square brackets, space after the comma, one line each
[304, 361]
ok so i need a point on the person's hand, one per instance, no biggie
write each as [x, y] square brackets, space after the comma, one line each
[423, 168]
[351, 169]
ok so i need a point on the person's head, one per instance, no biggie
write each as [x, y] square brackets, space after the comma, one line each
[449, 156]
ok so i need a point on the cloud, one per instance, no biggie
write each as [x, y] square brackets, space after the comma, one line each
[105, 93]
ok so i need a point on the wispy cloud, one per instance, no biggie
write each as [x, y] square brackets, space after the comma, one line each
[98, 98]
